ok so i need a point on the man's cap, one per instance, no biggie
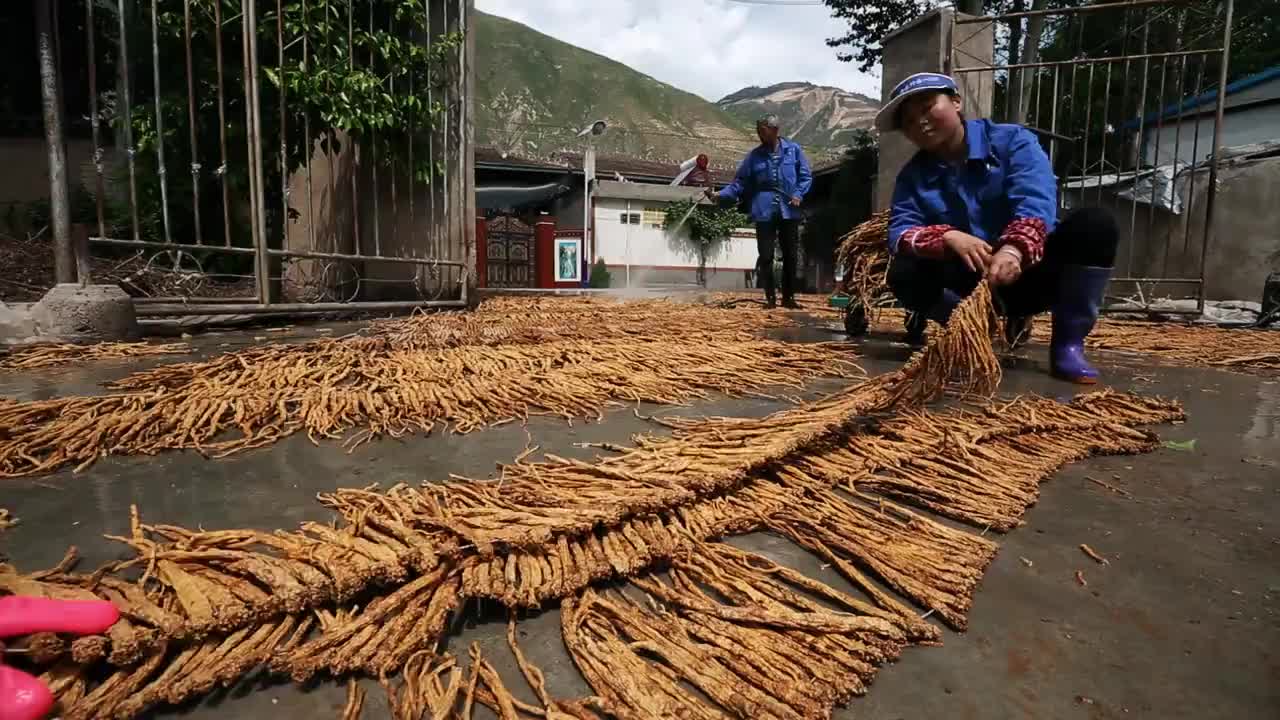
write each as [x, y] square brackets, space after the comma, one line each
[887, 118]
[769, 120]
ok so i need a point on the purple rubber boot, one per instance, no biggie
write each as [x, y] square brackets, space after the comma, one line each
[1080, 291]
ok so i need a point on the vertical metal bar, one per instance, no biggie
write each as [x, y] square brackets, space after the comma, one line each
[373, 141]
[434, 226]
[1088, 127]
[51, 99]
[191, 120]
[246, 69]
[413, 167]
[127, 102]
[1177, 151]
[253, 111]
[332, 137]
[263, 256]
[1218, 112]
[161, 171]
[284, 123]
[355, 147]
[1053, 128]
[466, 163]
[395, 157]
[99, 186]
[1155, 157]
[451, 103]
[1106, 115]
[1195, 157]
[309, 142]
[222, 126]
[1137, 160]
[1037, 82]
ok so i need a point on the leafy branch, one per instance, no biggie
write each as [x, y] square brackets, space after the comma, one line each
[703, 233]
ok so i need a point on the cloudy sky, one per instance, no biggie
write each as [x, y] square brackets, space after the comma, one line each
[708, 47]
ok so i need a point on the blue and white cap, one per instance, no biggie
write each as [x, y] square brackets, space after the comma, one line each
[887, 118]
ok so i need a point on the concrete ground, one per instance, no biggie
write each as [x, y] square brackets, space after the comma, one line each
[1183, 622]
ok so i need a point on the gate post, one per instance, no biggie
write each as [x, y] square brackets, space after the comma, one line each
[51, 96]
[481, 279]
[927, 44]
[544, 252]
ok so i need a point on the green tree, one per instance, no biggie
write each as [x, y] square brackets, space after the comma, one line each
[704, 231]
[329, 70]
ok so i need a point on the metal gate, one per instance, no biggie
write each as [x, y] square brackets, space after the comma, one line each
[511, 253]
[264, 156]
[1128, 100]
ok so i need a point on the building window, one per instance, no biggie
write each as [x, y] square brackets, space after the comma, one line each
[655, 217]
[629, 218]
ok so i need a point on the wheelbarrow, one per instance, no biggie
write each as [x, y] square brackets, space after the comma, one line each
[856, 322]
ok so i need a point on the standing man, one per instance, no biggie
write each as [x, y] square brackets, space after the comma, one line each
[773, 179]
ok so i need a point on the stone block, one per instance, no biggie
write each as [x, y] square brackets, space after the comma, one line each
[86, 313]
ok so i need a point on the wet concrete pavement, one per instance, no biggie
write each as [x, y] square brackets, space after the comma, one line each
[1182, 623]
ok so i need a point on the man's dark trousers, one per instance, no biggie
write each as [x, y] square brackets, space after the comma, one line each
[785, 233]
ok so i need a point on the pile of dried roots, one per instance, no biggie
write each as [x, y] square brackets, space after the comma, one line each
[513, 359]
[45, 355]
[1237, 349]
[375, 594]
[1256, 351]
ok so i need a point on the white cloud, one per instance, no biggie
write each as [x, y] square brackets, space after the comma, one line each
[708, 47]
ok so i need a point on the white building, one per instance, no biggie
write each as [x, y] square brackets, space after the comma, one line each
[628, 224]
[1184, 130]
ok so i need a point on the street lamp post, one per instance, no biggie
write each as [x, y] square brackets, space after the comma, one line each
[592, 131]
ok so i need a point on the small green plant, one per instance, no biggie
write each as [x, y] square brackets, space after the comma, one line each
[703, 233]
[600, 278]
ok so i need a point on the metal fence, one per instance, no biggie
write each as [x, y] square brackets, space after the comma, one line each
[271, 156]
[1128, 100]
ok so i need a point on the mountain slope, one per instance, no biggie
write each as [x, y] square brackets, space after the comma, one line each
[533, 91]
[812, 115]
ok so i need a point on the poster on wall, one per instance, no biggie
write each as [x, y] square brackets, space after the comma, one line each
[568, 260]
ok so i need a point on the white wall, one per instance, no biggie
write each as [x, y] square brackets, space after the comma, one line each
[645, 245]
[1242, 127]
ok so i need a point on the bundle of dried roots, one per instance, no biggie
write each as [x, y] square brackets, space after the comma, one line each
[864, 255]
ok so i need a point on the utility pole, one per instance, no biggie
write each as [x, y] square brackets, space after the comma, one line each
[51, 95]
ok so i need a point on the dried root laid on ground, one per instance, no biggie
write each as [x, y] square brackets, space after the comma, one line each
[979, 464]
[45, 355]
[983, 466]
[935, 566]
[338, 390]
[424, 691]
[643, 657]
[754, 639]
[533, 503]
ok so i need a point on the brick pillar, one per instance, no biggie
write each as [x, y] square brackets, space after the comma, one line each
[482, 252]
[925, 45]
[544, 253]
